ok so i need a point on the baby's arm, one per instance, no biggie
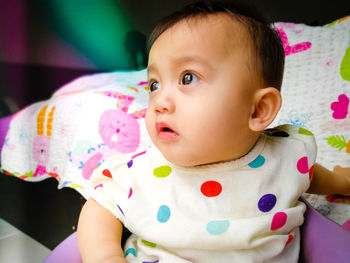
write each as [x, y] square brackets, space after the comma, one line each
[99, 235]
[326, 182]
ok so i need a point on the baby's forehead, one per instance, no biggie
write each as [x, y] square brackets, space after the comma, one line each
[209, 41]
[229, 29]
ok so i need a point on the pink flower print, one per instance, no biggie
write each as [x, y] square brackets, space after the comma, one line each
[340, 107]
[288, 49]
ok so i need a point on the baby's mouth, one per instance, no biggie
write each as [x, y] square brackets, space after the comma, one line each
[165, 132]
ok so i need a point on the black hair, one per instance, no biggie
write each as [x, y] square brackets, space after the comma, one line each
[266, 42]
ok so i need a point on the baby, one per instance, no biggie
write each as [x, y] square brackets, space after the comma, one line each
[215, 186]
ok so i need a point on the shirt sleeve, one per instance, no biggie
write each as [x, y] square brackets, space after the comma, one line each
[303, 135]
[110, 186]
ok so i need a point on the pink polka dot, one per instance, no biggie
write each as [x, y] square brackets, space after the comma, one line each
[346, 225]
[211, 188]
[302, 165]
[98, 186]
[278, 221]
[290, 239]
[130, 193]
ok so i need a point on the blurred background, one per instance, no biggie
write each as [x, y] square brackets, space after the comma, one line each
[45, 43]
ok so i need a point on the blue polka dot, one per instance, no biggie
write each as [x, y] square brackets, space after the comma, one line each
[259, 161]
[163, 214]
[130, 251]
[130, 163]
[216, 228]
[267, 202]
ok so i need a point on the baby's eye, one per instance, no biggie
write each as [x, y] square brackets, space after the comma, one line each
[154, 86]
[189, 78]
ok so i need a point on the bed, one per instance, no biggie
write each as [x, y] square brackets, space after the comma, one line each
[316, 92]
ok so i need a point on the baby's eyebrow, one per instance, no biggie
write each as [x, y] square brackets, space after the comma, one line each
[193, 59]
[183, 61]
[151, 69]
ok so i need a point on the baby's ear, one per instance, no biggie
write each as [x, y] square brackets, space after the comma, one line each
[267, 102]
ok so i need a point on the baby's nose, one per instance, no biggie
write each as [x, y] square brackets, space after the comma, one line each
[165, 104]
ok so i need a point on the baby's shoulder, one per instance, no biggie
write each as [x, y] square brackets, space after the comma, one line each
[293, 138]
[291, 132]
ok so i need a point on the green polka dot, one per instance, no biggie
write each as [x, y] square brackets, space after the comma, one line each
[147, 243]
[162, 171]
[305, 132]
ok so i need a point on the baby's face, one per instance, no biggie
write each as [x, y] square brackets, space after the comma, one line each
[201, 91]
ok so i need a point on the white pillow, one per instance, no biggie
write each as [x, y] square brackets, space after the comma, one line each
[81, 125]
[316, 86]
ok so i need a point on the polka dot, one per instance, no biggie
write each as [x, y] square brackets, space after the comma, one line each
[290, 239]
[305, 132]
[311, 171]
[130, 193]
[346, 225]
[148, 244]
[267, 202]
[259, 161]
[278, 221]
[163, 214]
[211, 188]
[162, 171]
[130, 251]
[98, 186]
[130, 163]
[216, 228]
[107, 173]
[302, 165]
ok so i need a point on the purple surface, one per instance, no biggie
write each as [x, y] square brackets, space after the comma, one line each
[322, 240]
[66, 252]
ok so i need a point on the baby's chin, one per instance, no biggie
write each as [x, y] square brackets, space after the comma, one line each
[189, 161]
[181, 160]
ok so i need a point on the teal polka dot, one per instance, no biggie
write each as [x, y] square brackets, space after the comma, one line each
[163, 214]
[259, 161]
[216, 228]
[130, 251]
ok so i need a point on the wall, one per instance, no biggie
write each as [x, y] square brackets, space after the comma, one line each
[92, 34]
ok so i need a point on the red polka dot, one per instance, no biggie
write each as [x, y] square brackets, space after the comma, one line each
[211, 188]
[311, 171]
[107, 173]
[278, 221]
[302, 165]
[290, 238]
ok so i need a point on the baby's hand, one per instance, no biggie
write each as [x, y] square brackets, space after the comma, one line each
[343, 172]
